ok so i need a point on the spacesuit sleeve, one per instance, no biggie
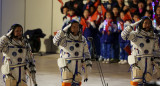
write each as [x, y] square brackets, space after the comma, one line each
[128, 34]
[156, 48]
[59, 38]
[156, 45]
[3, 42]
[87, 55]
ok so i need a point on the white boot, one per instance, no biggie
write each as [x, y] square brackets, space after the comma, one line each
[100, 58]
[120, 61]
[104, 61]
[124, 62]
[107, 61]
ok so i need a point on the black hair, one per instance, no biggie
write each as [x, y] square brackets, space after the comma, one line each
[13, 27]
[111, 13]
[63, 8]
[140, 26]
[72, 22]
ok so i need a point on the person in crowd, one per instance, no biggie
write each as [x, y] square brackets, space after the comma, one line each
[69, 4]
[120, 4]
[92, 9]
[99, 14]
[115, 12]
[98, 18]
[109, 4]
[123, 43]
[17, 57]
[64, 10]
[133, 7]
[156, 20]
[144, 48]
[106, 29]
[115, 33]
[88, 4]
[149, 5]
[141, 8]
[78, 6]
[149, 13]
[135, 17]
[70, 16]
[87, 26]
[134, 4]
[74, 54]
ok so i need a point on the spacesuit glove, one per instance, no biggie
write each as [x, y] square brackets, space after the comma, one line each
[9, 33]
[136, 23]
[86, 79]
[66, 28]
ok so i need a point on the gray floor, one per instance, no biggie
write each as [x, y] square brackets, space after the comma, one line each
[48, 73]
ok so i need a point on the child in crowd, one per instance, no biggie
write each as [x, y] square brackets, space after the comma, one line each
[64, 10]
[115, 42]
[70, 16]
[156, 21]
[149, 14]
[88, 4]
[115, 11]
[123, 43]
[98, 16]
[87, 26]
[106, 29]
[109, 4]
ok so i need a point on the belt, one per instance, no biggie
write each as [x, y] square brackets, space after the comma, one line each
[144, 56]
[18, 65]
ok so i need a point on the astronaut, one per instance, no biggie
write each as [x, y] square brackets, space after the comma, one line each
[17, 57]
[74, 55]
[145, 48]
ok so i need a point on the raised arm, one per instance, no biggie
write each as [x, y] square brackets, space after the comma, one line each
[4, 40]
[128, 33]
[59, 38]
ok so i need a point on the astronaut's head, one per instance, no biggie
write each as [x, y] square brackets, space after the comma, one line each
[17, 31]
[146, 24]
[75, 28]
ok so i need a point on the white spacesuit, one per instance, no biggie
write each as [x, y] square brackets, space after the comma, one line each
[144, 47]
[17, 60]
[74, 56]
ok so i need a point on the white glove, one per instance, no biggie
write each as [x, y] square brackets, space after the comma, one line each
[9, 33]
[136, 23]
[66, 28]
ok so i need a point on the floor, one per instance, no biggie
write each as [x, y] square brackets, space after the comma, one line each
[48, 73]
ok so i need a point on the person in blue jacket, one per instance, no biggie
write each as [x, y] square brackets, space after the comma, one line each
[106, 28]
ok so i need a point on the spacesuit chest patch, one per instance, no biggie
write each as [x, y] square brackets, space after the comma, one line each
[71, 48]
[14, 54]
[19, 59]
[146, 51]
[147, 41]
[141, 45]
[20, 50]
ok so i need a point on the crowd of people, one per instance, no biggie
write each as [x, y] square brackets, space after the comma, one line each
[104, 22]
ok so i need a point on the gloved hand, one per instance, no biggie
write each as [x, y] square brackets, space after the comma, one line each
[9, 33]
[86, 79]
[66, 28]
[136, 23]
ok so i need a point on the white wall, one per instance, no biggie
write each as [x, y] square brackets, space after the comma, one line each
[32, 14]
[12, 12]
[38, 15]
[57, 16]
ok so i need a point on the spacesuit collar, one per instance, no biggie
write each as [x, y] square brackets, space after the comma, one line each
[71, 36]
[144, 33]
